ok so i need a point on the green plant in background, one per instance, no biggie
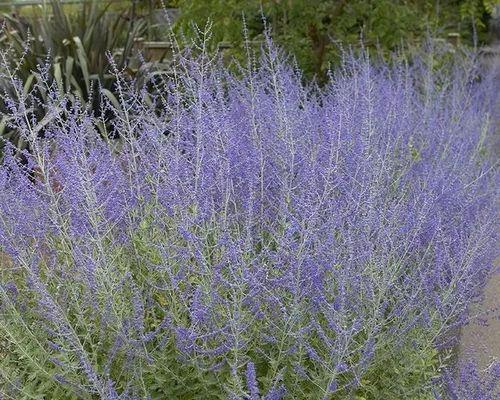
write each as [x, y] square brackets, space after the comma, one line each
[477, 11]
[77, 44]
[314, 30]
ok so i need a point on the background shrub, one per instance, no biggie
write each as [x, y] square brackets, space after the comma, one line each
[315, 31]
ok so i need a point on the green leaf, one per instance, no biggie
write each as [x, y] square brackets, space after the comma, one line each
[112, 98]
[27, 84]
[83, 61]
[69, 71]
[58, 77]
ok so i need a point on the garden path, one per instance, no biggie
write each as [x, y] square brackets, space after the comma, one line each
[481, 341]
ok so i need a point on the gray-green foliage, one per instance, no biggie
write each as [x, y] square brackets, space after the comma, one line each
[319, 240]
[30, 368]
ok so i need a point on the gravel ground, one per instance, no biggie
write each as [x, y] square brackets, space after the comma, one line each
[481, 340]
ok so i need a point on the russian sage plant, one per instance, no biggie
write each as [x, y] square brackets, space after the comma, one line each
[471, 382]
[248, 236]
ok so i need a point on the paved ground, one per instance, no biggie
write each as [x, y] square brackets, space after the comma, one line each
[481, 341]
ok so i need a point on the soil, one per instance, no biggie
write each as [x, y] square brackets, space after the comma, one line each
[480, 341]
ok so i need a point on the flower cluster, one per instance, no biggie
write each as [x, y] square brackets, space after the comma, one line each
[246, 235]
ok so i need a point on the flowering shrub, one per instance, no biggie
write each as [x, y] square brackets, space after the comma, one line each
[257, 239]
[471, 383]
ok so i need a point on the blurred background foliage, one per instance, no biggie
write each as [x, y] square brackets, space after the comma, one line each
[314, 30]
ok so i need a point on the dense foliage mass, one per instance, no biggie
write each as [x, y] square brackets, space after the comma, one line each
[257, 238]
[315, 30]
